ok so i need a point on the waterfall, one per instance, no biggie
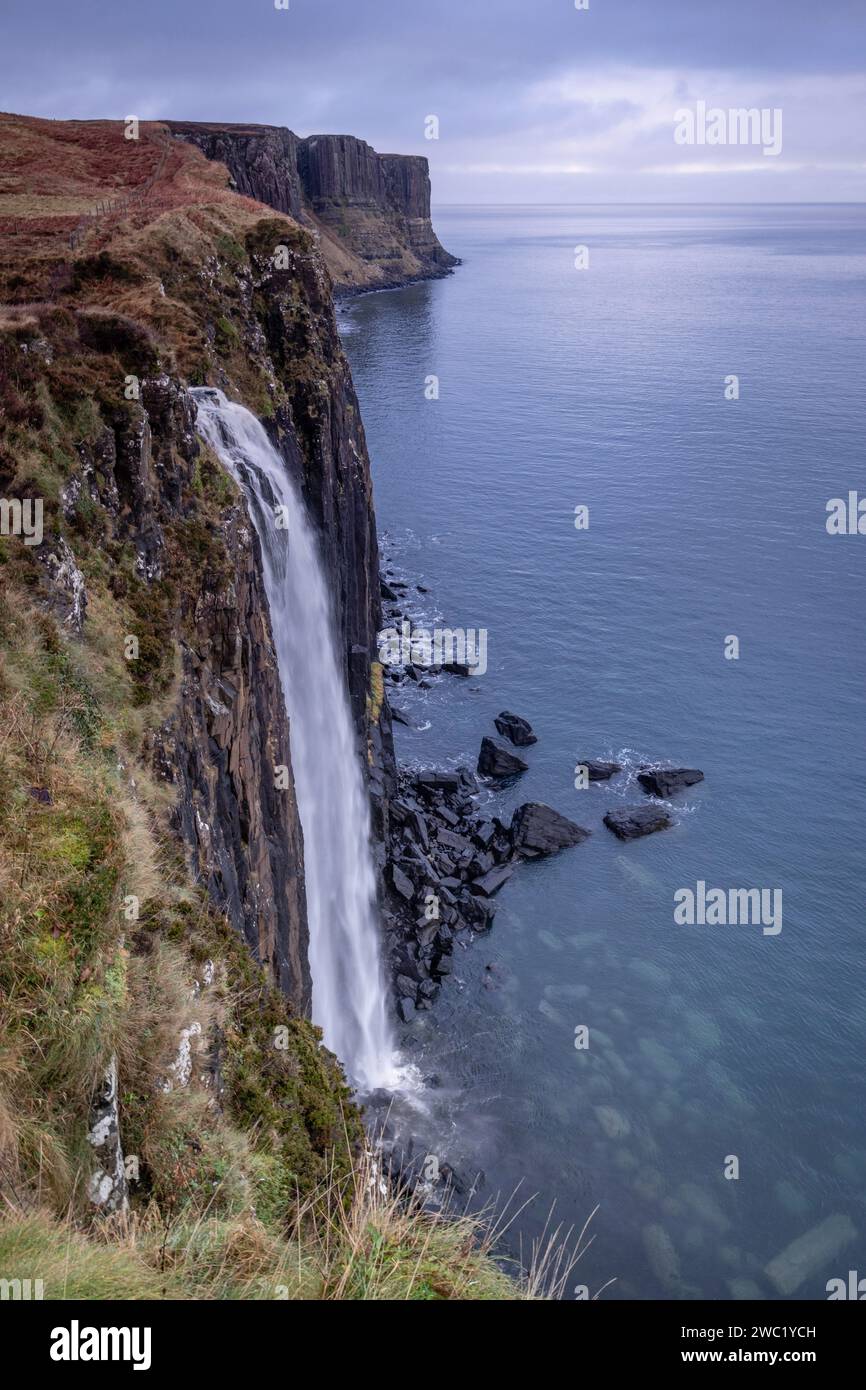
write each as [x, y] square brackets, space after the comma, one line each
[349, 998]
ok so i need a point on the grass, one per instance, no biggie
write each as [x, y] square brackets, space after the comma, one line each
[354, 1238]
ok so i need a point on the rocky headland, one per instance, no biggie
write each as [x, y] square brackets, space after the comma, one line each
[370, 211]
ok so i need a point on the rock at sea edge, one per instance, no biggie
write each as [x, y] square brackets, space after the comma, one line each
[633, 821]
[495, 761]
[518, 731]
[664, 781]
[537, 829]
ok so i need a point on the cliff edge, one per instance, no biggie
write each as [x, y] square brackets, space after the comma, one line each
[371, 211]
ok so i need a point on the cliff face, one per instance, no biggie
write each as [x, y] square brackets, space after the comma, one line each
[371, 211]
[195, 284]
[163, 862]
[262, 160]
[186, 577]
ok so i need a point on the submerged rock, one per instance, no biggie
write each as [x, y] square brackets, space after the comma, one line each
[806, 1256]
[615, 1125]
[633, 821]
[495, 761]
[664, 781]
[518, 731]
[662, 1256]
[537, 829]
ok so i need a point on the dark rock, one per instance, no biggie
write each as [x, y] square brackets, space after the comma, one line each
[418, 822]
[457, 668]
[518, 730]
[537, 829]
[633, 821]
[664, 781]
[483, 833]
[495, 761]
[387, 592]
[438, 781]
[492, 882]
[406, 987]
[598, 770]
[402, 883]
[453, 841]
[406, 1010]
[400, 718]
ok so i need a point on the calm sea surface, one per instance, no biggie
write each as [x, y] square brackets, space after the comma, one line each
[604, 388]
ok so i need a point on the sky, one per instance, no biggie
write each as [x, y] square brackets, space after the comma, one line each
[537, 101]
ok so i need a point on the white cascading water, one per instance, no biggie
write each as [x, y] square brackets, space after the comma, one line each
[349, 999]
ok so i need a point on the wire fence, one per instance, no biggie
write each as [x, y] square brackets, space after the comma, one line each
[107, 206]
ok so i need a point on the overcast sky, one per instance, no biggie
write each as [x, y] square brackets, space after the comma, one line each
[536, 101]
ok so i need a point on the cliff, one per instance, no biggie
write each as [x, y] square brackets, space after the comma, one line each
[137, 649]
[153, 968]
[262, 160]
[371, 211]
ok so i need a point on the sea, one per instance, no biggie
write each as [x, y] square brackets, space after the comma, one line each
[617, 441]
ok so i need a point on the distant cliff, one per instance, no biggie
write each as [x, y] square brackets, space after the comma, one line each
[371, 211]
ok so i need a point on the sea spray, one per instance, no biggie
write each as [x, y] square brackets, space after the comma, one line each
[349, 996]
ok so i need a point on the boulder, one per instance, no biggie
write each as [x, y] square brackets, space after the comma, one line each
[537, 829]
[453, 841]
[457, 668]
[517, 730]
[438, 781]
[483, 833]
[418, 823]
[597, 769]
[664, 781]
[492, 882]
[633, 821]
[495, 761]
[402, 883]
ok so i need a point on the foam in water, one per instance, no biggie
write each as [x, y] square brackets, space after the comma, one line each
[349, 997]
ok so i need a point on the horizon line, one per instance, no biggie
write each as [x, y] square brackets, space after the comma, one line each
[671, 203]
